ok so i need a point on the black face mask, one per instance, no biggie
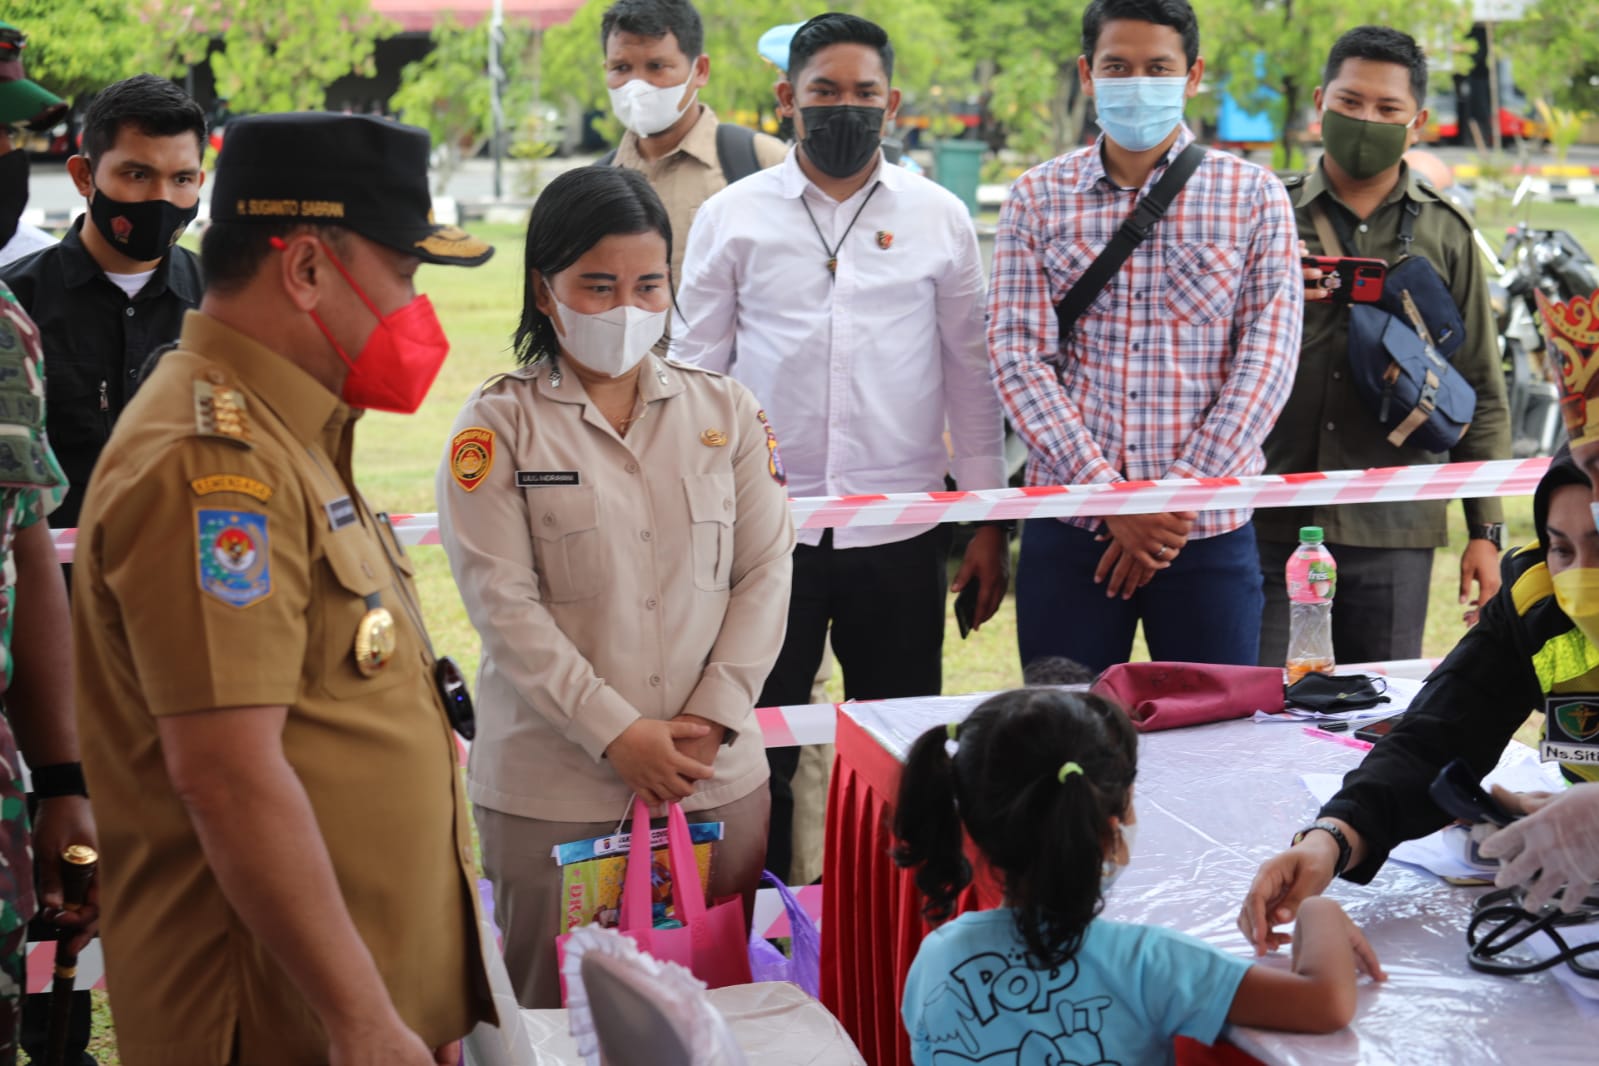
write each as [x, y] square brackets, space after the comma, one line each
[13, 192]
[143, 230]
[842, 139]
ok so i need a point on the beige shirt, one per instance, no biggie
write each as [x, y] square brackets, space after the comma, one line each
[690, 174]
[613, 578]
[226, 559]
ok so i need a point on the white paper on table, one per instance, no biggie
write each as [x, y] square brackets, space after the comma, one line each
[1444, 853]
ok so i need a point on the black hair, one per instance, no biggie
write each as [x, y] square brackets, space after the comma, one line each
[231, 253]
[154, 106]
[1056, 670]
[1563, 470]
[837, 27]
[574, 213]
[1380, 44]
[655, 19]
[1044, 834]
[1174, 13]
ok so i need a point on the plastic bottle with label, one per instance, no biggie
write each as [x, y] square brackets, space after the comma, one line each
[1312, 577]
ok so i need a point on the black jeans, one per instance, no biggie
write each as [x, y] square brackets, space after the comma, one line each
[885, 605]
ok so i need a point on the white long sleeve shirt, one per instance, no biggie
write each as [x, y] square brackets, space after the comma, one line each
[860, 373]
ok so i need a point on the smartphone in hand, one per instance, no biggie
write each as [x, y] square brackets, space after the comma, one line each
[966, 607]
[1350, 279]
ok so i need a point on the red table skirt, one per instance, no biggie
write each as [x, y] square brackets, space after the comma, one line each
[872, 923]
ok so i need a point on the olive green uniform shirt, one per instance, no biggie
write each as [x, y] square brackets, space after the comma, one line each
[225, 559]
[1327, 426]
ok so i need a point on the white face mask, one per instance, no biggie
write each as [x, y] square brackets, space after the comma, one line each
[648, 109]
[611, 342]
[1110, 869]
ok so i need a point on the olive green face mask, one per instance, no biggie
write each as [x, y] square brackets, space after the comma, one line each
[1363, 149]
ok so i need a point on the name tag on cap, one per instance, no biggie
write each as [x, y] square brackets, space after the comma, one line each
[1571, 728]
[341, 513]
[535, 479]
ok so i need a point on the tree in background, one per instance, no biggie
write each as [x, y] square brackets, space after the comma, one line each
[1554, 50]
[927, 51]
[271, 55]
[1281, 46]
[80, 47]
[447, 91]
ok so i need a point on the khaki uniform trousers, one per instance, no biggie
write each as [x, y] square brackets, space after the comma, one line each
[527, 883]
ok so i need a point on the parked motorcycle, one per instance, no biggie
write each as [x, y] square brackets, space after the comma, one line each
[1533, 259]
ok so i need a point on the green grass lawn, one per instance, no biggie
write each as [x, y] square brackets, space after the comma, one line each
[396, 458]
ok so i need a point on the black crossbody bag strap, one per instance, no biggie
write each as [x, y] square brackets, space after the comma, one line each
[1129, 235]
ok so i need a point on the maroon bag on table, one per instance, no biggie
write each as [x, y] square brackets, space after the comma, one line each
[1171, 695]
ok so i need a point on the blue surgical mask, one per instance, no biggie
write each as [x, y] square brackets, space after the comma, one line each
[1138, 113]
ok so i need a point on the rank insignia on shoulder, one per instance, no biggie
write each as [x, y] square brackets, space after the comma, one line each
[244, 486]
[471, 456]
[774, 461]
[221, 412]
[234, 559]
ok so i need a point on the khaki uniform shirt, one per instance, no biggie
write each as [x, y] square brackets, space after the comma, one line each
[1327, 426]
[613, 578]
[226, 560]
[690, 174]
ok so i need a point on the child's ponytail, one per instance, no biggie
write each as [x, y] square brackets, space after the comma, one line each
[927, 823]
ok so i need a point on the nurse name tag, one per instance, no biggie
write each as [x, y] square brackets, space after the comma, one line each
[1571, 728]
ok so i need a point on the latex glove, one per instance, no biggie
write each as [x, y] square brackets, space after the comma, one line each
[1555, 847]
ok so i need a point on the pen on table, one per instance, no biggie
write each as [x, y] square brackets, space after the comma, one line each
[1337, 738]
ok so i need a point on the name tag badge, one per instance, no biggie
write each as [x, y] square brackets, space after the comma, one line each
[341, 513]
[535, 479]
[1571, 728]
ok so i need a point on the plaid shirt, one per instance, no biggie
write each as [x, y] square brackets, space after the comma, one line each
[1181, 364]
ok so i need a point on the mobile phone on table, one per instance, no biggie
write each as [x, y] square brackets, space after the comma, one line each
[966, 607]
[1372, 732]
[1457, 790]
[1350, 279]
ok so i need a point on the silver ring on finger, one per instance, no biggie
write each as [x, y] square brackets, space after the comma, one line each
[1161, 554]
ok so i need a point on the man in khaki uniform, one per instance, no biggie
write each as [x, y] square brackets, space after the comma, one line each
[287, 859]
[655, 67]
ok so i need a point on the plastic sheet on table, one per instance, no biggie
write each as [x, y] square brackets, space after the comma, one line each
[1215, 801]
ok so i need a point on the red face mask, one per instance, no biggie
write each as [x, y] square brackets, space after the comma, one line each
[401, 357]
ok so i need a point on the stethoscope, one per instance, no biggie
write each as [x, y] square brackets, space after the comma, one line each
[1509, 924]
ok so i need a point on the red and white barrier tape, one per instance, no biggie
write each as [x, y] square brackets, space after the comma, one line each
[1508, 477]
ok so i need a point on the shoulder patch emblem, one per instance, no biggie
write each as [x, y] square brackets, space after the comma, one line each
[244, 486]
[234, 559]
[221, 412]
[774, 460]
[472, 456]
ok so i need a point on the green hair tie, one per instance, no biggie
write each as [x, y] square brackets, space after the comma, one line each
[1067, 771]
[952, 729]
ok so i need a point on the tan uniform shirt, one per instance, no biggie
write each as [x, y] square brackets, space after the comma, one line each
[225, 559]
[690, 174]
[612, 578]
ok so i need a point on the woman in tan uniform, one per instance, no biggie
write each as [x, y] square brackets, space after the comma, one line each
[620, 533]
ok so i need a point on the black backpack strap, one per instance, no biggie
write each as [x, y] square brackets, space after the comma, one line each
[735, 151]
[608, 159]
[1132, 232]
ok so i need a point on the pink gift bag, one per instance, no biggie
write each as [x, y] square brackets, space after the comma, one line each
[711, 942]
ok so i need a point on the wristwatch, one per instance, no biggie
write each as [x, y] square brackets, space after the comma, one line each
[1332, 830]
[1490, 531]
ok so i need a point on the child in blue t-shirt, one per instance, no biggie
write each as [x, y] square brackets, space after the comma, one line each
[1042, 781]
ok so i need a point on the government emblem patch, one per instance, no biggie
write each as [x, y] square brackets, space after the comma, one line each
[233, 556]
